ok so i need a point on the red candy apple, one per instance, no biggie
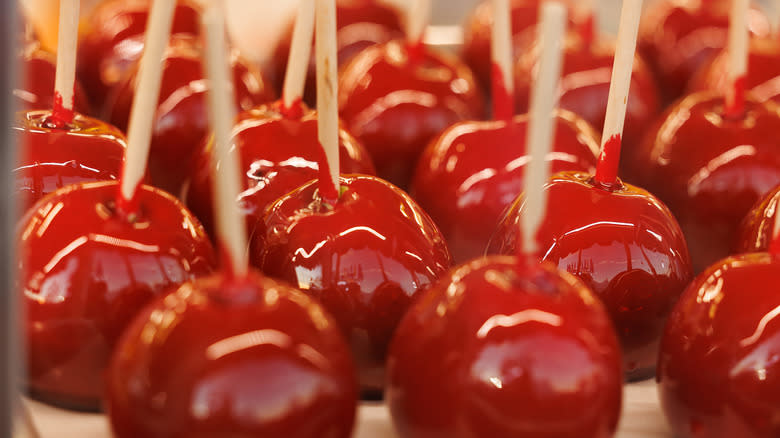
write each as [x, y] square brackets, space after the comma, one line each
[710, 168]
[474, 170]
[505, 348]
[181, 121]
[763, 76]
[585, 82]
[35, 90]
[53, 154]
[279, 152]
[718, 371]
[232, 357]
[113, 39]
[361, 24]
[366, 257]
[396, 97]
[757, 229]
[623, 243]
[477, 34]
[85, 269]
[678, 37]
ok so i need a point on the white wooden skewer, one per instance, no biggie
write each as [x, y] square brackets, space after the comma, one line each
[617, 102]
[327, 85]
[67, 43]
[300, 53]
[139, 133]
[738, 47]
[541, 132]
[501, 45]
[231, 229]
[775, 18]
[417, 20]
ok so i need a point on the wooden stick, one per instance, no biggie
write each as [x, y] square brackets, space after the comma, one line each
[622, 69]
[417, 21]
[775, 18]
[139, 133]
[65, 77]
[541, 132]
[300, 53]
[501, 52]
[231, 229]
[327, 95]
[738, 49]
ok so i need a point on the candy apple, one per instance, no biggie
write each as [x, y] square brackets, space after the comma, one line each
[679, 37]
[232, 357]
[396, 97]
[503, 348]
[112, 41]
[621, 242]
[718, 371]
[279, 152]
[473, 171]
[181, 121]
[85, 268]
[366, 257]
[710, 168]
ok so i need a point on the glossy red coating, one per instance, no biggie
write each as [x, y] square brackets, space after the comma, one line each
[468, 176]
[232, 359]
[584, 88]
[84, 272]
[763, 76]
[477, 33]
[112, 40]
[609, 161]
[756, 232]
[360, 24]
[500, 348]
[181, 119]
[279, 152]
[711, 169]
[718, 371]
[51, 157]
[623, 243]
[677, 38]
[366, 258]
[35, 88]
[395, 104]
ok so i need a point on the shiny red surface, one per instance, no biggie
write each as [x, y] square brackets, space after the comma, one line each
[677, 38]
[505, 349]
[474, 170]
[763, 76]
[395, 104]
[718, 372]
[181, 120]
[757, 229]
[51, 157]
[112, 40]
[584, 87]
[278, 154]
[232, 359]
[710, 169]
[624, 244]
[84, 272]
[366, 258]
[35, 89]
[477, 34]
[360, 24]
